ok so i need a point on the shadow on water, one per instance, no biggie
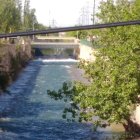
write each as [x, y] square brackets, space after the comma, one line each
[28, 113]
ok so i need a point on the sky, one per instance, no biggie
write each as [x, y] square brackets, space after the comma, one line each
[62, 12]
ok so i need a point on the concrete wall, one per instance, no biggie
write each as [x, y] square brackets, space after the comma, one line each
[137, 115]
[13, 57]
[86, 53]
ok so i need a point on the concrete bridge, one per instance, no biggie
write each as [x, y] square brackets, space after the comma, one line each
[56, 46]
[45, 45]
[59, 46]
[55, 42]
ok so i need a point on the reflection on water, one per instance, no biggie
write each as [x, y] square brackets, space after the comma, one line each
[27, 112]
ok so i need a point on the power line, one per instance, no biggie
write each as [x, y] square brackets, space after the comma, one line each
[84, 16]
[67, 29]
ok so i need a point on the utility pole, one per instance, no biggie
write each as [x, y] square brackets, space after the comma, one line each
[49, 19]
[94, 12]
[33, 28]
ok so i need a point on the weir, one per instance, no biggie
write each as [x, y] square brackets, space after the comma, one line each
[57, 47]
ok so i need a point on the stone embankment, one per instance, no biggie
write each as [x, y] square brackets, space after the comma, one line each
[13, 57]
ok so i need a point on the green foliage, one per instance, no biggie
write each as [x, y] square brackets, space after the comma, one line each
[13, 20]
[39, 26]
[114, 77]
[69, 92]
[10, 16]
[79, 34]
[29, 16]
[30, 20]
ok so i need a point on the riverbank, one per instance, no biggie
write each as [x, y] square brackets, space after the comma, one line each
[13, 58]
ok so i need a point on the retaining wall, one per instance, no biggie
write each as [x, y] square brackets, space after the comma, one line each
[13, 57]
[86, 53]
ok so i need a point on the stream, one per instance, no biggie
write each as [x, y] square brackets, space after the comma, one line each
[28, 113]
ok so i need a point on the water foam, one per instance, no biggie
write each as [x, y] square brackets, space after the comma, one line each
[59, 60]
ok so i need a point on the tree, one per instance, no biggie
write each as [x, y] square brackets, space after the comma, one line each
[10, 16]
[114, 77]
[39, 26]
[29, 16]
[26, 14]
[14, 19]
[79, 34]
[19, 11]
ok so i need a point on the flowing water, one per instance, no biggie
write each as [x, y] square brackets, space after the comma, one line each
[28, 113]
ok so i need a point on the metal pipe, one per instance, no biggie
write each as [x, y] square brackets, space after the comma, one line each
[67, 29]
